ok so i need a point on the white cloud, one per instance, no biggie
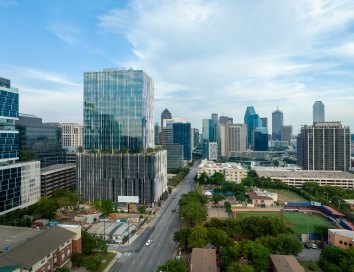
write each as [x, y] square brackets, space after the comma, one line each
[65, 31]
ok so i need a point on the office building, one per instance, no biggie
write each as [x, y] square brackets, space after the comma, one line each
[318, 111]
[175, 157]
[72, 135]
[209, 130]
[118, 122]
[252, 120]
[166, 114]
[167, 135]
[182, 135]
[212, 151]
[196, 138]
[109, 176]
[277, 124]
[324, 146]
[43, 139]
[260, 139]
[286, 133]
[223, 139]
[215, 117]
[19, 182]
[237, 138]
[223, 119]
[118, 110]
[157, 133]
[264, 122]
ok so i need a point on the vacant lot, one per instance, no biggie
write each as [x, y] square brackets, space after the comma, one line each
[287, 196]
[298, 221]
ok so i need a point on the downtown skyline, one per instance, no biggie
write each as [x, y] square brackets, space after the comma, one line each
[204, 57]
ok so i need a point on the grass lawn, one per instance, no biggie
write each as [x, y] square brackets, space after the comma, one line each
[287, 196]
[108, 258]
[298, 221]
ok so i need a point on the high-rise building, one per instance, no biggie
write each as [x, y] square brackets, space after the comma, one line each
[324, 146]
[167, 135]
[252, 120]
[277, 124]
[237, 138]
[231, 120]
[215, 117]
[209, 130]
[196, 138]
[118, 119]
[286, 133]
[43, 139]
[175, 158]
[318, 112]
[223, 119]
[118, 110]
[71, 135]
[261, 139]
[212, 151]
[223, 143]
[19, 182]
[157, 133]
[182, 135]
[166, 114]
[264, 122]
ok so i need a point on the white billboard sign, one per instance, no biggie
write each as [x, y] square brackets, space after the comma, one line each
[128, 199]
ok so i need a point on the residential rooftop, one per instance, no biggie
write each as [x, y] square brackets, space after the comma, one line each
[203, 259]
[286, 263]
[12, 236]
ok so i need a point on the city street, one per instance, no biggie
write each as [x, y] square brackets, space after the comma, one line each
[138, 256]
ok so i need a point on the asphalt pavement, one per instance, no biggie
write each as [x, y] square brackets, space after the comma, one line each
[137, 257]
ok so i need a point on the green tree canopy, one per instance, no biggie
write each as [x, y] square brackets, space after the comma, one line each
[173, 266]
[198, 237]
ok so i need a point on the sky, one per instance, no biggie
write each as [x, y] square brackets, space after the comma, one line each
[205, 56]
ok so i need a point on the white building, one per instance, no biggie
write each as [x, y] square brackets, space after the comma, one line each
[72, 135]
[213, 151]
[232, 171]
[237, 138]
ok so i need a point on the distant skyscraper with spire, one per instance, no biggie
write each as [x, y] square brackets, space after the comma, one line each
[253, 121]
[166, 114]
[318, 112]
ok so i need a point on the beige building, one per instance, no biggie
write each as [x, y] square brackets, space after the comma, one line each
[232, 171]
[202, 260]
[260, 200]
[72, 135]
[298, 178]
[341, 238]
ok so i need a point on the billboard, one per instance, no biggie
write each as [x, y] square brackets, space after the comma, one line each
[128, 199]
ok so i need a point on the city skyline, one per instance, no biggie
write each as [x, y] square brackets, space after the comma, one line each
[272, 54]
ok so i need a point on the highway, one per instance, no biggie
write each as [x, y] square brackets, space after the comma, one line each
[138, 257]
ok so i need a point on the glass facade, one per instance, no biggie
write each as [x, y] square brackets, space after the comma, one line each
[261, 139]
[118, 110]
[9, 143]
[10, 191]
[182, 135]
[44, 139]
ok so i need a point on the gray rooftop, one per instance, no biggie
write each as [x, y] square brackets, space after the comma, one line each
[33, 250]
[56, 167]
[305, 174]
[12, 236]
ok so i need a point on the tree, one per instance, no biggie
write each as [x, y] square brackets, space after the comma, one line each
[88, 243]
[216, 198]
[27, 155]
[46, 207]
[286, 244]
[80, 149]
[198, 237]
[239, 267]
[193, 213]
[173, 266]
[227, 206]
[256, 254]
[336, 259]
[62, 269]
[92, 263]
[322, 231]
[218, 237]
[181, 237]
[217, 178]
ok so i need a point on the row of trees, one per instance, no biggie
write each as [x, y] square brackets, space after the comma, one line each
[334, 259]
[181, 173]
[192, 210]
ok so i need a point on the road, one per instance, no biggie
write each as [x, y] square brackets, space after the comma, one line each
[138, 257]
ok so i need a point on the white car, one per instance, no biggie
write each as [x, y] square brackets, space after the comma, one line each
[313, 246]
[148, 242]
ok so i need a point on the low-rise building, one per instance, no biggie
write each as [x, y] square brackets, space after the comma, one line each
[285, 263]
[47, 250]
[298, 178]
[112, 232]
[203, 259]
[260, 200]
[58, 176]
[232, 171]
[341, 238]
[350, 203]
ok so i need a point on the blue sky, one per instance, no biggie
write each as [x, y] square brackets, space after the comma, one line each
[205, 56]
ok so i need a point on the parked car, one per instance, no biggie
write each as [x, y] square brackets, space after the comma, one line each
[313, 245]
[307, 245]
[148, 242]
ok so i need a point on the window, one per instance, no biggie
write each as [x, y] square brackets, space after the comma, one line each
[341, 242]
[345, 243]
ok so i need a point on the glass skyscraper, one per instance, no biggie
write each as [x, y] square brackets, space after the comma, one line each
[318, 112]
[182, 135]
[277, 124]
[118, 110]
